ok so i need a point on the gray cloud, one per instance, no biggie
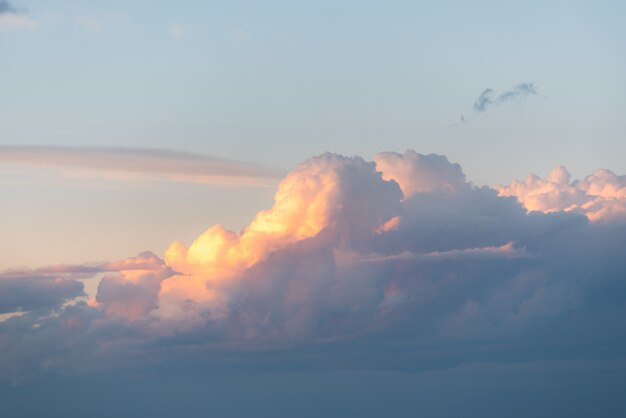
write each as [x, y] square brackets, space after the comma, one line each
[414, 268]
[519, 92]
[489, 99]
[6, 7]
[138, 164]
[27, 293]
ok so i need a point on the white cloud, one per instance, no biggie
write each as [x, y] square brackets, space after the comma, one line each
[600, 196]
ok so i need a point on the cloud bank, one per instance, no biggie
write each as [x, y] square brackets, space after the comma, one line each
[138, 164]
[398, 264]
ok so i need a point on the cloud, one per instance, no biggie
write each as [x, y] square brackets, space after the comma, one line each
[12, 18]
[138, 164]
[519, 92]
[397, 264]
[488, 99]
[33, 292]
[600, 196]
[6, 7]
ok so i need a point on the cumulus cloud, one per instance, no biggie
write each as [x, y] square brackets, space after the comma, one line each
[600, 196]
[138, 164]
[12, 18]
[358, 264]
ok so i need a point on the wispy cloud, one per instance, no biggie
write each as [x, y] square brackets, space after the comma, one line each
[488, 98]
[12, 18]
[519, 92]
[138, 164]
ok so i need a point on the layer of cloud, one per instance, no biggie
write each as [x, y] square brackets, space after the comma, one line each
[20, 293]
[138, 164]
[12, 18]
[396, 264]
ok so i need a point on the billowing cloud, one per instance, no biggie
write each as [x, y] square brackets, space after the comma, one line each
[600, 196]
[12, 18]
[399, 263]
[138, 164]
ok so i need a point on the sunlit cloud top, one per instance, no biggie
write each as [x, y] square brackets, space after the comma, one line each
[402, 249]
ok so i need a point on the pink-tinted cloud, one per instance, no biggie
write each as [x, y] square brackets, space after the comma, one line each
[392, 259]
[600, 196]
[138, 164]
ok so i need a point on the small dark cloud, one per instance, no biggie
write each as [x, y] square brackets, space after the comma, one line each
[485, 99]
[6, 7]
[488, 99]
[519, 92]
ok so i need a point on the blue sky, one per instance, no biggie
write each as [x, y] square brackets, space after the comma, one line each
[278, 82]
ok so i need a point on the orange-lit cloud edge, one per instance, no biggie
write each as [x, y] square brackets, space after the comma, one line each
[337, 223]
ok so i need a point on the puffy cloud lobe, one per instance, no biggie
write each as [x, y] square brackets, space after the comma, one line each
[363, 264]
[133, 291]
[600, 196]
[420, 173]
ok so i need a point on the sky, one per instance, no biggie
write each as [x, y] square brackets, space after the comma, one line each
[338, 205]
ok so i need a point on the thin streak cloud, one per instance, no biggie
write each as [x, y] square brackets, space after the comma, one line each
[139, 164]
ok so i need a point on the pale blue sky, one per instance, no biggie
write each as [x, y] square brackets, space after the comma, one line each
[278, 82]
